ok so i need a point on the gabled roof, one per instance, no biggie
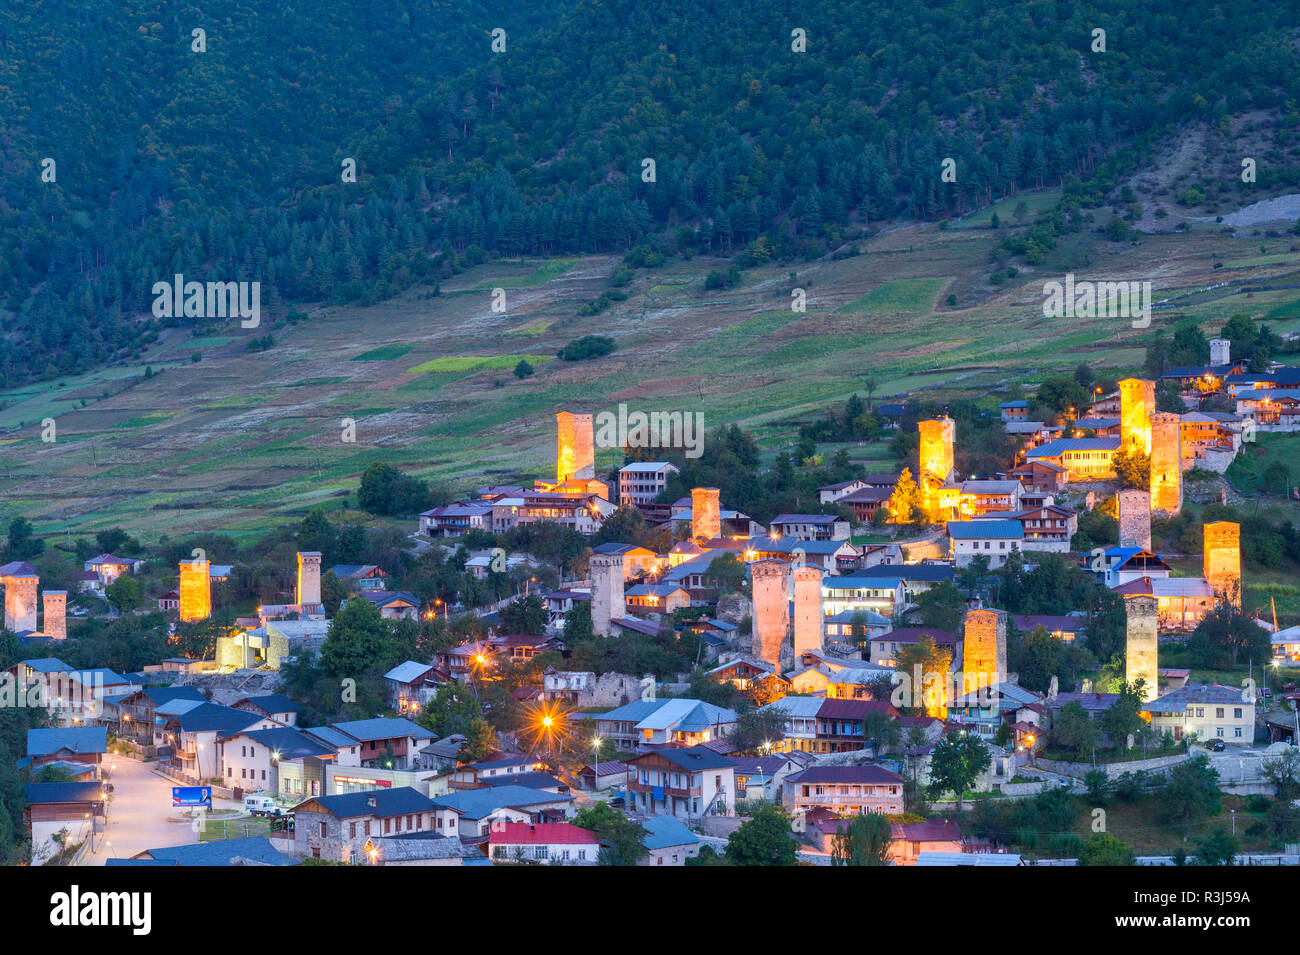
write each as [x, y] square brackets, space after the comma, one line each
[224, 720]
[1178, 700]
[664, 832]
[290, 743]
[542, 833]
[408, 672]
[1061, 445]
[254, 850]
[844, 774]
[76, 739]
[47, 665]
[387, 802]
[271, 703]
[689, 758]
[45, 793]
[478, 803]
[383, 727]
[981, 530]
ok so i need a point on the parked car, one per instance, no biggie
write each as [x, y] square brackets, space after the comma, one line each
[1215, 745]
[618, 802]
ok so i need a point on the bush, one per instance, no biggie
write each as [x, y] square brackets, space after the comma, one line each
[587, 347]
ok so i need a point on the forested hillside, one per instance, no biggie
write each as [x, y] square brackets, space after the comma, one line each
[170, 160]
[225, 165]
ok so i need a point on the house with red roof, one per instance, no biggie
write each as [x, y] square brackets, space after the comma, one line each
[548, 843]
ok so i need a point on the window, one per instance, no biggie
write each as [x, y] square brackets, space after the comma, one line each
[1236, 713]
[1218, 713]
[322, 833]
[352, 834]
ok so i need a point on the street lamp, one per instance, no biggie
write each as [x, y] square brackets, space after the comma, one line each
[595, 779]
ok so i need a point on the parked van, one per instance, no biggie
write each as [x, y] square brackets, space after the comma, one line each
[261, 806]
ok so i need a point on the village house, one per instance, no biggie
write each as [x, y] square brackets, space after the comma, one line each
[841, 723]
[845, 790]
[341, 827]
[62, 815]
[194, 734]
[668, 841]
[656, 724]
[860, 591]
[412, 685]
[688, 782]
[251, 758]
[549, 843]
[386, 739]
[885, 647]
[1205, 712]
[470, 813]
[358, 577]
[75, 744]
[994, 539]
[641, 482]
[809, 527]
[1085, 459]
[800, 730]
[759, 778]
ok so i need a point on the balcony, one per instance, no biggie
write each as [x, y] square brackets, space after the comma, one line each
[674, 791]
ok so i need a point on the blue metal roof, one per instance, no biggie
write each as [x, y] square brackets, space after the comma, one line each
[78, 739]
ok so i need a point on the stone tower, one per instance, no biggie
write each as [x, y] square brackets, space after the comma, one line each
[934, 462]
[808, 617]
[20, 602]
[195, 590]
[1220, 351]
[1140, 656]
[55, 624]
[771, 609]
[607, 600]
[706, 513]
[1222, 567]
[1166, 463]
[575, 447]
[1137, 403]
[935, 456]
[1134, 519]
[308, 577]
[984, 648]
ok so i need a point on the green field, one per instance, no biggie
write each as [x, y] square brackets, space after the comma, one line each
[243, 441]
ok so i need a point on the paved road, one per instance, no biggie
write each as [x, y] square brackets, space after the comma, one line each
[138, 813]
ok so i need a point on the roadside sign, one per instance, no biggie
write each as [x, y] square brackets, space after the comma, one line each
[192, 796]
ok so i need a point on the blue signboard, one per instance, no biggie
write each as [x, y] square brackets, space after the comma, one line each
[192, 796]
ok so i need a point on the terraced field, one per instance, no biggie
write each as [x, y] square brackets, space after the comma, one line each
[243, 440]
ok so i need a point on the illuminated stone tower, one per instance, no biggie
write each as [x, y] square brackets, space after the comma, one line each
[607, 599]
[195, 590]
[808, 617]
[984, 648]
[1166, 463]
[1140, 656]
[1134, 519]
[575, 449]
[1137, 402]
[308, 577]
[771, 609]
[20, 602]
[55, 624]
[1222, 568]
[935, 462]
[706, 513]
